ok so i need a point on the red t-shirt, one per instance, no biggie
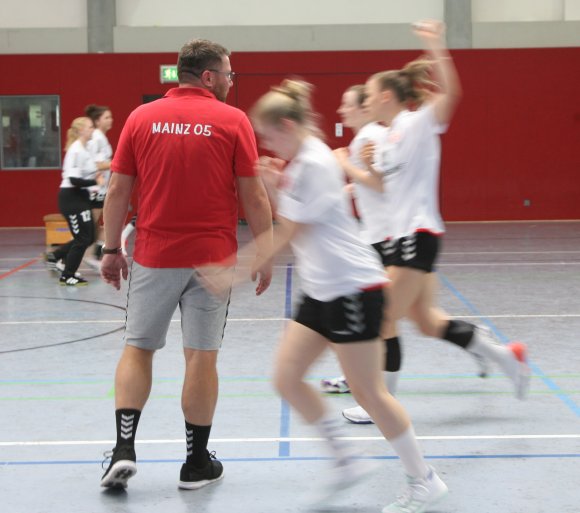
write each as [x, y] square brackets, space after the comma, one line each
[186, 149]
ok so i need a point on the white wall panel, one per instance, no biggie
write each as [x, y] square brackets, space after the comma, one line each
[269, 39]
[179, 13]
[572, 10]
[548, 34]
[43, 13]
[43, 40]
[517, 10]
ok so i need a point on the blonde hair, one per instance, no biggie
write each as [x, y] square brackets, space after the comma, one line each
[410, 84]
[290, 100]
[72, 134]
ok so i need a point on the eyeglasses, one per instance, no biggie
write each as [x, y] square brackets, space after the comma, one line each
[230, 75]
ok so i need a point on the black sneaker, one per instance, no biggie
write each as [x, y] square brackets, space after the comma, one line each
[121, 468]
[50, 260]
[192, 478]
[72, 281]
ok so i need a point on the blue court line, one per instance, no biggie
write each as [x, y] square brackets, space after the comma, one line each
[284, 447]
[566, 399]
[313, 458]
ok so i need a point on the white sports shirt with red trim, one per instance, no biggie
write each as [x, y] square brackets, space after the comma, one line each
[371, 204]
[332, 260]
[410, 158]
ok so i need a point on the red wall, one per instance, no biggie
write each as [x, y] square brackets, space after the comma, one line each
[514, 137]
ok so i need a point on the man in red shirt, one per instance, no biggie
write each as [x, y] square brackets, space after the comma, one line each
[193, 156]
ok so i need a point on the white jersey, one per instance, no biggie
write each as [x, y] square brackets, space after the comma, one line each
[410, 159]
[332, 260]
[78, 163]
[371, 204]
[101, 150]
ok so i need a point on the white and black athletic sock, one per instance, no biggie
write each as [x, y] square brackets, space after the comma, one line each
[196, 439]
[127, 421]
[407, 449]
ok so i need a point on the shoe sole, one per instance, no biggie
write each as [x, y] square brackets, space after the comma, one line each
[334, 390]
[427, 507]
[520, 351]
[74, 285]
[195, 485]
[353, 421]
[119, 473]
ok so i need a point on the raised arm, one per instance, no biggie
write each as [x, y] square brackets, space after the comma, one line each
[432, 34]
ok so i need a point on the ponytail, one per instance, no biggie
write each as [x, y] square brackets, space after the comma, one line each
[409, 84]
[290, 100]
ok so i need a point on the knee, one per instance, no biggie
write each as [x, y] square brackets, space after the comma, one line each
[137, 355]
[84, 240]
[285, 380]
[368, 395]
[201, 362]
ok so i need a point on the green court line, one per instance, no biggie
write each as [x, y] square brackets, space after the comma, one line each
[273, 395]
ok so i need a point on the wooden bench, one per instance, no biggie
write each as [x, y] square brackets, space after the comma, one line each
[56, 229]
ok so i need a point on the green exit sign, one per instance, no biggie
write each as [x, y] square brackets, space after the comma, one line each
[168, 73]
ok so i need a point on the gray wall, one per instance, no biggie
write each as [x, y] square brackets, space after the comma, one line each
[77, 26]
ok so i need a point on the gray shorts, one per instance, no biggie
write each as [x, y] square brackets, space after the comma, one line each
[153, 296]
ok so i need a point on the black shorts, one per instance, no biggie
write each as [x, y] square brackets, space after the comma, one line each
[353, 318]
[417, 251]
[97, 200]
[387, 250]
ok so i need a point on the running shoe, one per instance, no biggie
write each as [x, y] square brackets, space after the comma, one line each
[121, 468]
[357, 415]
[335, 385]
[72, 281]
[420, 495]
[192, 478]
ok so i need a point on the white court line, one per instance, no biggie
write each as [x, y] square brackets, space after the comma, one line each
[291, 439]
[276, 319]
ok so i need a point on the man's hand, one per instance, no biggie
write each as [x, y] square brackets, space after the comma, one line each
[112, 268]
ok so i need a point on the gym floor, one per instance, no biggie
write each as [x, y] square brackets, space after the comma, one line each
[59, 347]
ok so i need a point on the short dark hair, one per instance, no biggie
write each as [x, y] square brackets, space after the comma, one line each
[198, 55]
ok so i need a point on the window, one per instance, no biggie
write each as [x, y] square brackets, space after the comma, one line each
[30, 132]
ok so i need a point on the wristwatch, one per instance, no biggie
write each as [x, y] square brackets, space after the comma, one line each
[112, 251]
